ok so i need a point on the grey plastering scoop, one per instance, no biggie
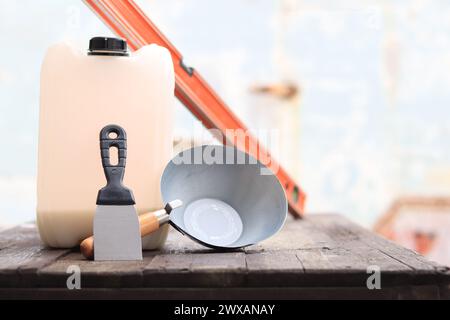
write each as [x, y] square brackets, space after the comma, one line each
[116, 225]
[230, 199]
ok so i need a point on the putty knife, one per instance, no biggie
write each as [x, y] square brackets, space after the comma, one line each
[148, 223]
[116, 224]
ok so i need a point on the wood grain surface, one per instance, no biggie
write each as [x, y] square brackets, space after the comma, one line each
[320, 256]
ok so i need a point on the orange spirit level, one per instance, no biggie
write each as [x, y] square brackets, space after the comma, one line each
[128, 21]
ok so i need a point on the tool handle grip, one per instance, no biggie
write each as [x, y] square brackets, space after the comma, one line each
[114, 193]
[87, 248]
[148, 223]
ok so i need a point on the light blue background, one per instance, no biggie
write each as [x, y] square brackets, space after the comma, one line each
[374, 77]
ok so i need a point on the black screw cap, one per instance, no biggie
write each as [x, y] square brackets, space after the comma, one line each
[107, 46]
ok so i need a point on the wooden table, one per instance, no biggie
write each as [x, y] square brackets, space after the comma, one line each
[321, 256]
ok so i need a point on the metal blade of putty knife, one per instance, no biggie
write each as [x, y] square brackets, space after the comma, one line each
[116, 225]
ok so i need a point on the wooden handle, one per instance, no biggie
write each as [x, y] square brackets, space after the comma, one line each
[87, 247]
[148, 223]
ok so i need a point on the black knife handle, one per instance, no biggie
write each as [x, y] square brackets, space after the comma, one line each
[114, 193]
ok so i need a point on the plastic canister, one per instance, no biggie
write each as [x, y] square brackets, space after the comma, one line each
[80, 93]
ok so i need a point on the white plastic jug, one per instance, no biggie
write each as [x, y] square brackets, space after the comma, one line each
[82, 92]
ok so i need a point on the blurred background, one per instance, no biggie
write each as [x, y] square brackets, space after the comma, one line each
[358, 90]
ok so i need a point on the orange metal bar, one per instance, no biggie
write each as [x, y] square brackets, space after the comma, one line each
[129, 22]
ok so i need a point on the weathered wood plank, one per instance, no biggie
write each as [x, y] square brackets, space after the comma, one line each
[351, 267]
[352, 259]
[342, 230]
[274, 261]
[281, 268]
[260, 293]
[296, 234]
[343, 251]
[102, 274]
[17, 235]
[179, 243]
[309, 255]
[422, 270]
[209, 268]
[326, 232]
[22, 255]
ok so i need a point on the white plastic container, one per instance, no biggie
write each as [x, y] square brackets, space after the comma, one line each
[80, 94]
